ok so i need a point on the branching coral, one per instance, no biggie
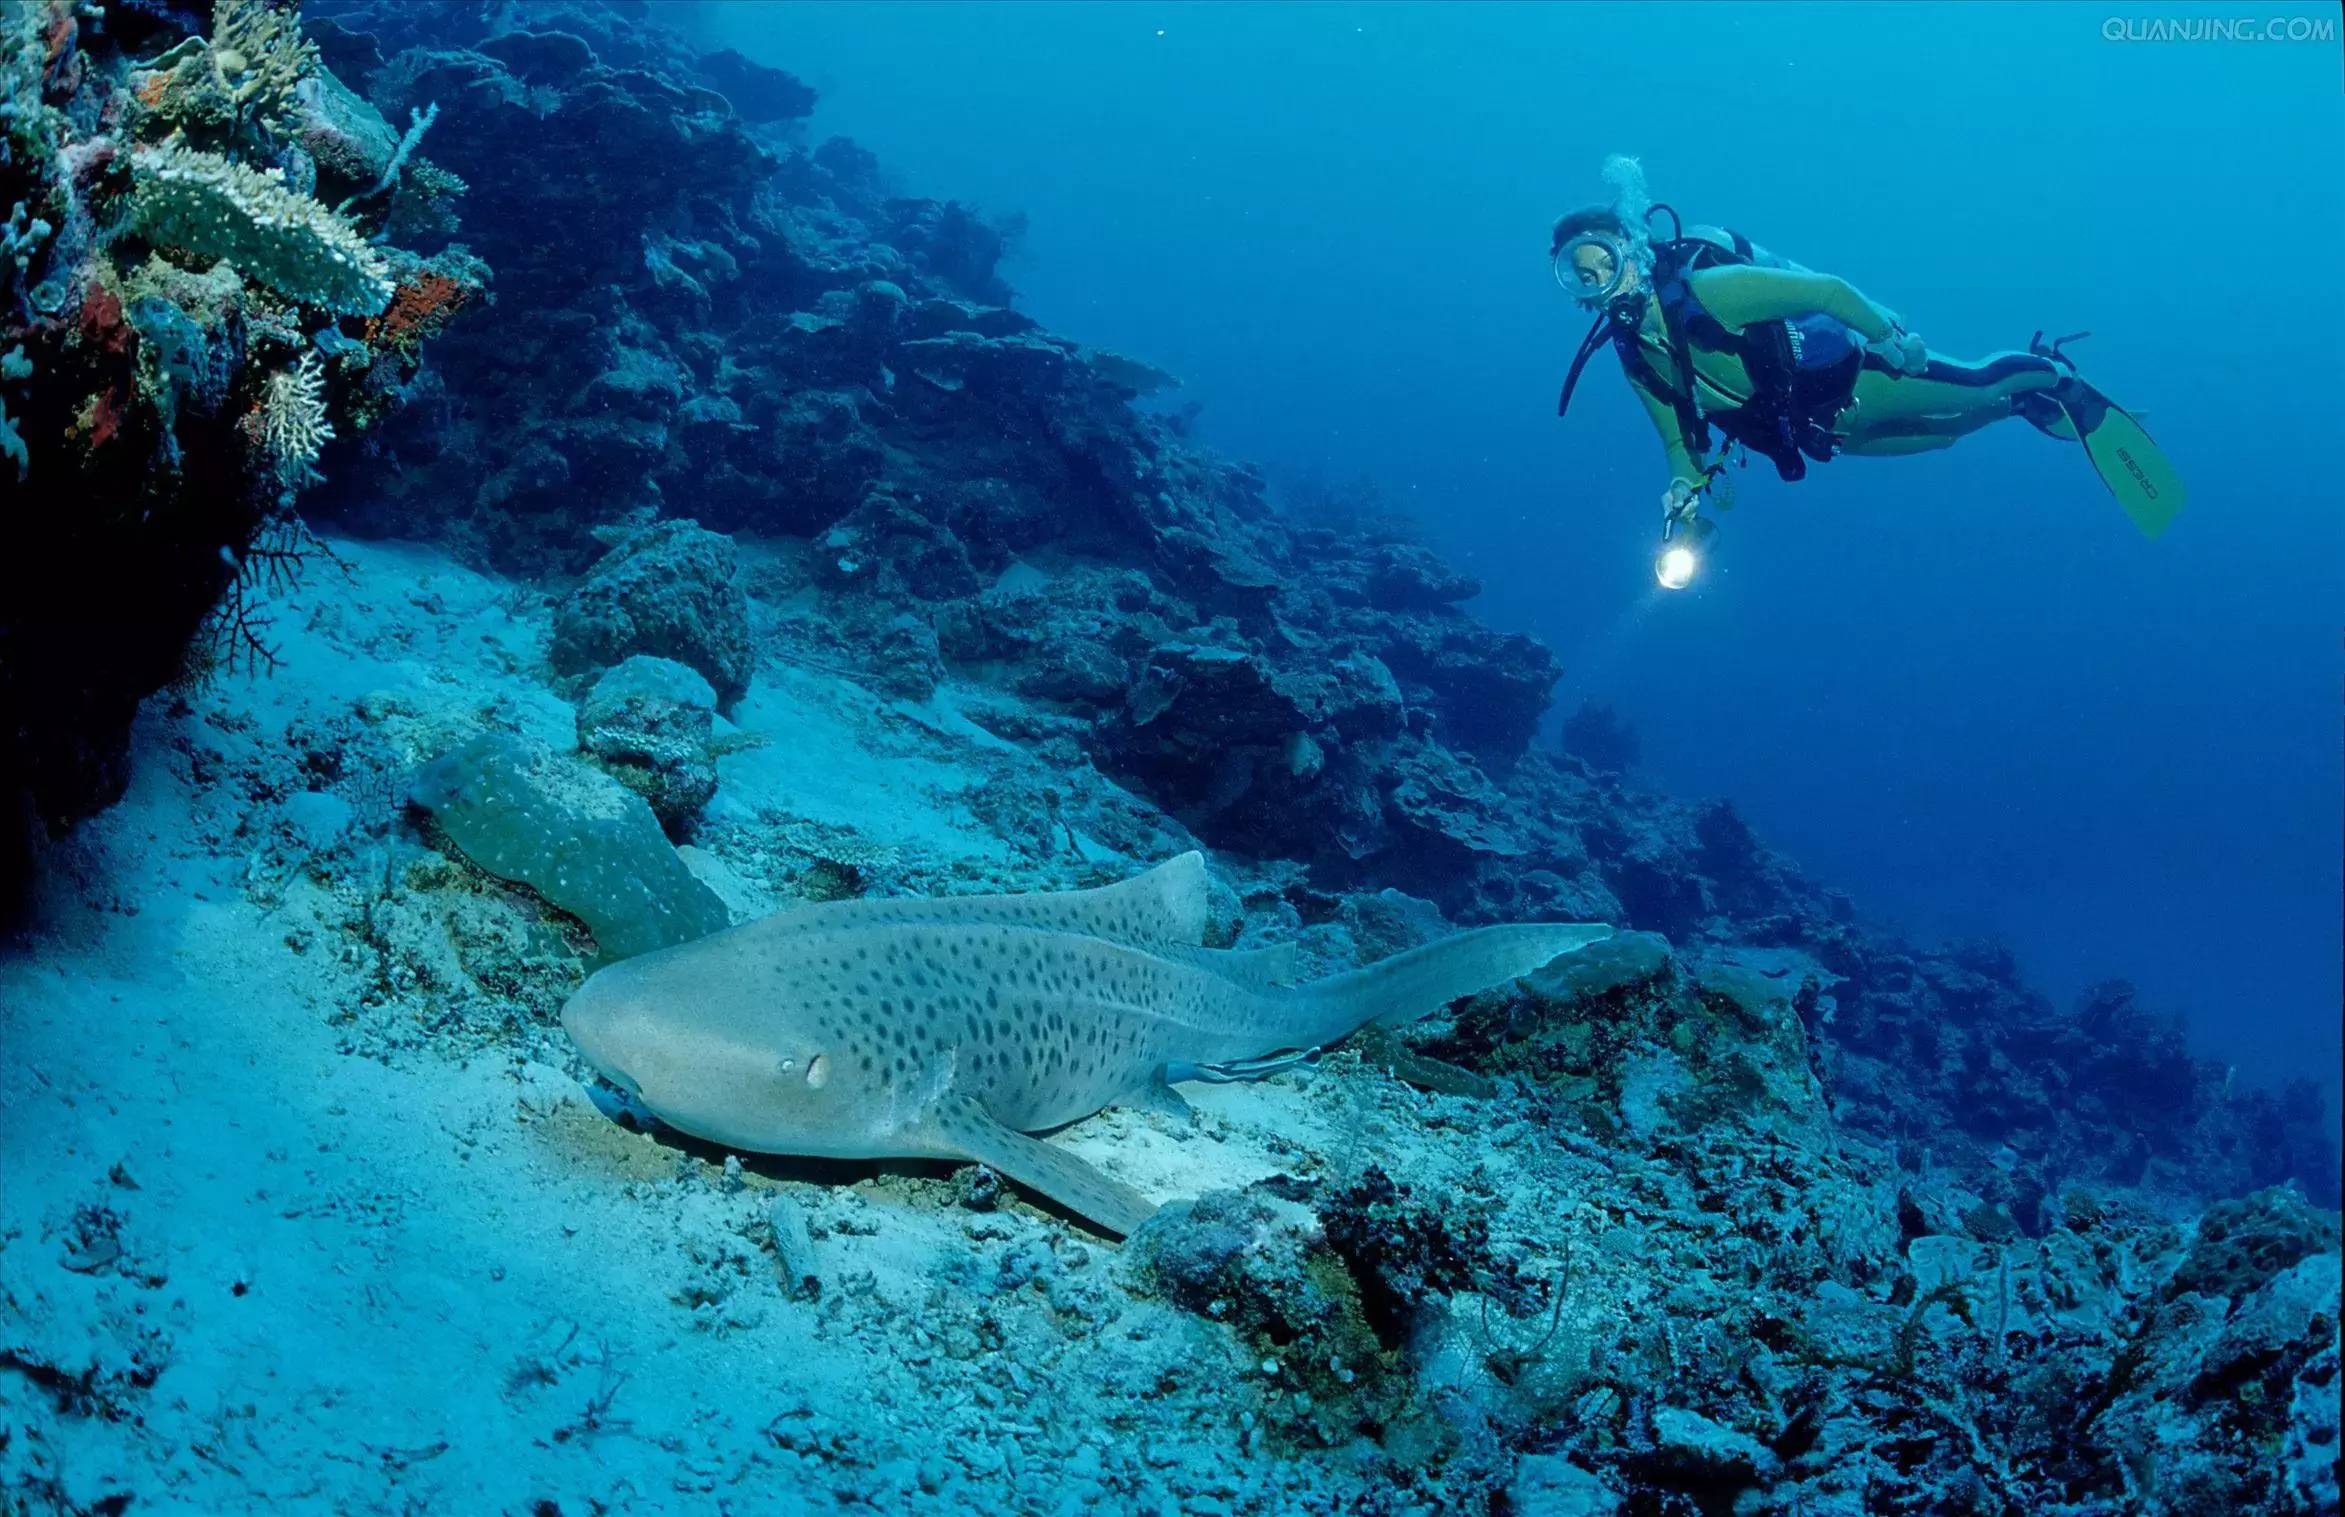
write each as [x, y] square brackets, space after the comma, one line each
[215, 209]
[291, 418]
[237, 631]
[419, 121]
[246, 74]
[261, 55]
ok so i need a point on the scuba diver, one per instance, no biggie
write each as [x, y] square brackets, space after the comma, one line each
[1714, 331]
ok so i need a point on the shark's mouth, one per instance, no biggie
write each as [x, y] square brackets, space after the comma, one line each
[616, 1097]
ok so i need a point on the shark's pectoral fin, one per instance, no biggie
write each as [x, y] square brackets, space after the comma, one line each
[970, 1130]
[1158, 1097]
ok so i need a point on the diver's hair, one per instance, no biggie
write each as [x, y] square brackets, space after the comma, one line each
[1590, 218]
[1624, 218]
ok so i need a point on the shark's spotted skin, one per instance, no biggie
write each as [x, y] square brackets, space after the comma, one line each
[951, 1028]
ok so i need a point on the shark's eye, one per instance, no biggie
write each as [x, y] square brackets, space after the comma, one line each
[818, 1072]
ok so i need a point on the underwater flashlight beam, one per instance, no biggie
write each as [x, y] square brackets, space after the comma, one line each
[1680, 558]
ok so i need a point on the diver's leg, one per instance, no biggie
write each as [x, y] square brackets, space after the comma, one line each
[1893, 415]
[1864, 430]
[1954, 398]
[1891, 444]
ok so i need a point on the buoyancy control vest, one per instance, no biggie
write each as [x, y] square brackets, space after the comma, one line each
[1802, 369]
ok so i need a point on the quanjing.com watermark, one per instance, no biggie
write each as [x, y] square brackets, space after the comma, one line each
[2219, 29]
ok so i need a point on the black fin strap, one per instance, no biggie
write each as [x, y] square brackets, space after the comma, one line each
[2037, 346]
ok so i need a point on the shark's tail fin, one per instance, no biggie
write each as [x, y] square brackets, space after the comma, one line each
[1424, 979]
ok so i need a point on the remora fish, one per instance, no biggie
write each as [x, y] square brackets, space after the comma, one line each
[952, 1028]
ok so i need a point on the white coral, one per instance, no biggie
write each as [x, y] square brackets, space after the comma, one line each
[293, 424]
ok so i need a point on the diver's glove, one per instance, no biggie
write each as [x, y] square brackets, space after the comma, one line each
[1680, 499]
[1903, 352]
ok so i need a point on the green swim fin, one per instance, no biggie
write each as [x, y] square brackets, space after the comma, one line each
[2128, 462]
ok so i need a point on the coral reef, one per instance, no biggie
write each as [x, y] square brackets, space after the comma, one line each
[756, 490]
[1596, 735]
[174, 292]
[242, 76]
[1262, 1265]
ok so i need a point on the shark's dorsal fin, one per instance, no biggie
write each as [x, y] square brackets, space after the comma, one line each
[970, 1132]
[1420, 981]
[1166, 907]
[1255, 968]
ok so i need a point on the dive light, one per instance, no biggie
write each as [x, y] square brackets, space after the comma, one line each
[1682, 542]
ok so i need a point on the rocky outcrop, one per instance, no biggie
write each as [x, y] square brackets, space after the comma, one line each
[209, 288]
[666, 590]
[649, 723]
[764, 339]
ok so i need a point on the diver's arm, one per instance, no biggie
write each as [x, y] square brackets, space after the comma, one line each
[1684, 463]
[1744, 295]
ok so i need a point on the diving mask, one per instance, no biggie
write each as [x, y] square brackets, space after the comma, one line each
[1593, 268]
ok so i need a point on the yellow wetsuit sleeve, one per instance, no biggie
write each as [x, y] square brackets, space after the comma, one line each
[1743, 295]
[1684, 462]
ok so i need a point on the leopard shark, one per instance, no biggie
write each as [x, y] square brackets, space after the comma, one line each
[956, 1028]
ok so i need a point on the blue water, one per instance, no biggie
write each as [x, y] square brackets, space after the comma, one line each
[1958, 685]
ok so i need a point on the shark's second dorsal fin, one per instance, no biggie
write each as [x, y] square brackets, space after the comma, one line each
[1254, 968]
[1165, 907]
[1420, 981]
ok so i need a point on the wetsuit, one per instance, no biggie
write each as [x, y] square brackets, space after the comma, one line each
[1886, 412]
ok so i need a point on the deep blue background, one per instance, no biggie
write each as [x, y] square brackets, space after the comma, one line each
[1958, 685]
